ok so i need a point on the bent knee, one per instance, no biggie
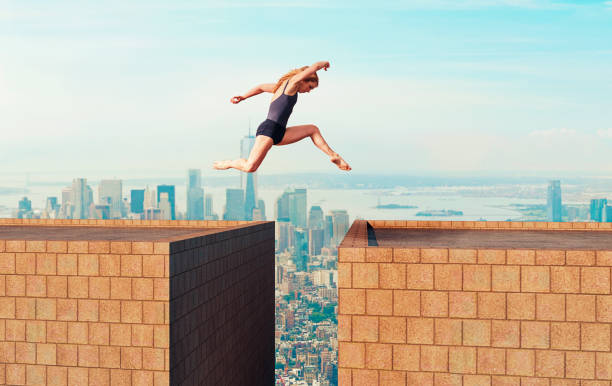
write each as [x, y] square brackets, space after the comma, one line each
[250, 167]
[314, 129]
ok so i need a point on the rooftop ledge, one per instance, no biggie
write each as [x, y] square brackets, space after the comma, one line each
[479, 235]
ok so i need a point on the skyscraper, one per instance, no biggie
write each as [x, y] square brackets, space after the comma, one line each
[297, 208]
[328, 230]
[171, 198]
[281, 207]
[110, 193]
[340, 220]
[195, 195]
[301, 249]
[208, 208]
[553, 201]
[164, 206]
[315, 217]
[315, 241]
[249, 198]
[137, 200]
[81, 198]
[598, 210]
[234, 204]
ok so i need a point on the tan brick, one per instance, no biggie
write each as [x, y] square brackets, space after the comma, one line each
[391, 377]
[491, 360]
[120, 247]
[131, 265]
[78, 247]
[462, 360]
[120, 377]
[36, 331]
[521, 306]
[131, 311]
[46, 354]
[491, 256]
[406, 357]
[505, 381]
[153, 359]
[78, 376]
[378, 356]
[15, 285]
[565, 336]
[491, 305]
[506, 278]
[379, 302]
[344, 275]
[88, 265]
[57, 332]
[535, 335]
[580, 257]
[535, 279]
[15, 373]
[434, 303]
[448, 277]
[595, 280]
[120, 334]
[46, 264]
[161, 290]
[15, 246]
[379, 255]
[604, 308]
[25, 352]
[89, 356]
[477, 277]
[565, 279]
[55, 246]
[7, 263]
[344, 329]
[447, 332]
[406, 303]
[434, 358]
[351, 254]
[142, 289]
[434, 255]
[57, 376]
[365, 275]
[109, 265]
[88, 310]
[505, 333]
[66, 309]
[351, 301]
[36, 286]
[14, 330]
[78, 287]
[476, 333]
[603, 366]
[550, 257]
[393, 276]
[99, 377]
[419, 378]
[161, 335]
[67, 354]
[604, 258]
[580, 308]
[7, 352]
[392, 329]
[550, 364]
[142, 335]
[445, 379]
[36, 375]
[520, 362]
[7, 308]
[57, 286]
[142, 248]
[365, 377]
[419, 330]
[465, 256]
[550, 307]
[520, 257]
[67, 264]
[351, 354]
[580, 365]
[120, 288]
[36, 246]
[419, 276]
[78, 333]
[99, 287]
[406, 255]
[153, 312]
[462, 304]
[595, 336]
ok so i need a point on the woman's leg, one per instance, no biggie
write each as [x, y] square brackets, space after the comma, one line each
[257, 155]
[297, 133]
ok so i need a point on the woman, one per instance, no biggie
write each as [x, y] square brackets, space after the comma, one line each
[274, 130]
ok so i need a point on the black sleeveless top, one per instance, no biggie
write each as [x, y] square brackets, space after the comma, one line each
[281, 107]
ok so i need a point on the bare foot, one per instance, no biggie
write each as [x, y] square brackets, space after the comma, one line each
[340, 162]
[221, 165]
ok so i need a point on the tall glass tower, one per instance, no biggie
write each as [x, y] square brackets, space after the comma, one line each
[195, 195]
[553, 201]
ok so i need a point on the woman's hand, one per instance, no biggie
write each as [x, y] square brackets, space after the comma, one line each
[237, 99]
[324, 65]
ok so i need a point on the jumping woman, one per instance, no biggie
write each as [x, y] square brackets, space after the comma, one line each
[274, 130]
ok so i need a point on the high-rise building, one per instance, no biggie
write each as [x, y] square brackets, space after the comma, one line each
[195, 195]
[598, 209]
[315, 217]
[81, 198]
[208, 208]
[259, 213]
[315, 241]
[553, 201]
[340, 220]
[137, 200]
[328, 229]
[234, 204]
[297, 208]
[284, 229]
[301, 249]
[171, 198]
[110, 193]
[165, 207]
[249, 197]
[281, 207]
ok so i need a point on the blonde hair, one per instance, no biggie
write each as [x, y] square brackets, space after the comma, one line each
[293, 72]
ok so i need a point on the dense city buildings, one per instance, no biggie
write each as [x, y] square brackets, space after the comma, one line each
[170, 198]
[553, 201]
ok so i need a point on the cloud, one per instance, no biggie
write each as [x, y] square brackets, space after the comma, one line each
[553, 133]
[605, 133]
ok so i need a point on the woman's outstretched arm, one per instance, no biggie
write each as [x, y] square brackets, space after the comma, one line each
[310, 70]
[266, 87]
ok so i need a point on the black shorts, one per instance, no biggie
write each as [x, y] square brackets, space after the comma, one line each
[271, 129]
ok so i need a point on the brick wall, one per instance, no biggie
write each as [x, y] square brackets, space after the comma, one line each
[102, 312]
[443, 316]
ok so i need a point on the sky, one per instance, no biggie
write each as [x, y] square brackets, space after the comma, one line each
[423, 86]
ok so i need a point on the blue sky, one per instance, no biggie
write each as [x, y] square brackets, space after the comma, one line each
[414, 86]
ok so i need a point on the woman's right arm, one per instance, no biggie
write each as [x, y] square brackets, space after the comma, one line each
[266, 87]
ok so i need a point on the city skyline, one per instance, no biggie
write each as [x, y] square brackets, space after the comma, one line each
[460, 86]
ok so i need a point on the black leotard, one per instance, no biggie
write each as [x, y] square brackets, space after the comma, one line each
[278, 115]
